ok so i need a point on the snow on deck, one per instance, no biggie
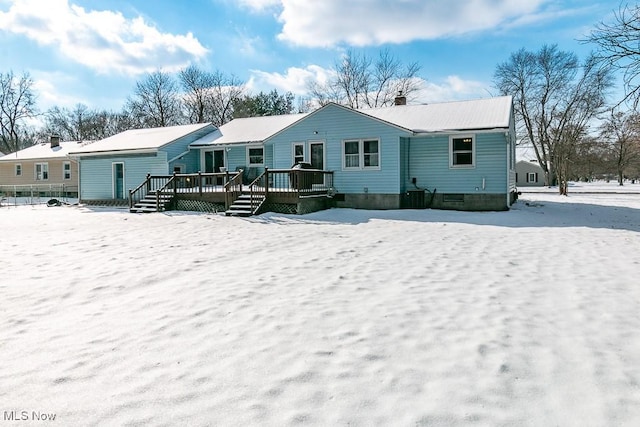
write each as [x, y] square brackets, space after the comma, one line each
[340, 317]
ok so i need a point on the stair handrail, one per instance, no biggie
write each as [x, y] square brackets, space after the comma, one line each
[255, 203]
[138, 189]
[232, 188]
[161, 189]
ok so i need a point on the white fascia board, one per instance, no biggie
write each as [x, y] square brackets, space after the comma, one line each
[114, 152]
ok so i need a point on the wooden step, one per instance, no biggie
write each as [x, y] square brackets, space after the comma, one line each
[148, 203]
[242, 205]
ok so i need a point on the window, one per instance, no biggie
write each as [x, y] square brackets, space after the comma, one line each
[532, 177]
[361, 154]
[42, 171]
[298, 152]
[66, 170]
[256, 156]
[462, 151]
[18, 169]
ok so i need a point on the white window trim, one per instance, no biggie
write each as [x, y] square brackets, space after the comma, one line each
[15, 169]
[361, 165]
[64, 177]
[531, 177]
[255, 165]
[43, 166]
[293, 151]
[473, 151]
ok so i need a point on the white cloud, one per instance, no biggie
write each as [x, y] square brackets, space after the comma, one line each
[360, 23]
[259, 5]
[451, 88]
[49, 94]
[293, 80]
[105, 41]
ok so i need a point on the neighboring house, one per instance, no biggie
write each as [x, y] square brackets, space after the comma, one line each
[462, 153]
[43, 168]
[529, 174]
[109, 168]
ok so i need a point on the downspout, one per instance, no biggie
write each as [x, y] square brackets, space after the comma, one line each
[509, 148]
[77, 161]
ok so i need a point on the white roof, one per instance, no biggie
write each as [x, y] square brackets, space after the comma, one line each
[250, 129]
[43, 151]
[489, 113]
[141, 139]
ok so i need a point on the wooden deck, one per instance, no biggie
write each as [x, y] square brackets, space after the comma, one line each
[273, 187]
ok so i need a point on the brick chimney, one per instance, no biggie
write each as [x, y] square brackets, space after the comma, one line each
[400, 99]
[55, 141]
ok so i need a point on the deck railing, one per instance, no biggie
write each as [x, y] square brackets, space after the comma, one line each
[151, 183]
[180, 183]
[303, 182]
[306, 182]
[232, 188]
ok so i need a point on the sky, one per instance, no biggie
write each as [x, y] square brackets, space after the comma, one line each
[93, 52]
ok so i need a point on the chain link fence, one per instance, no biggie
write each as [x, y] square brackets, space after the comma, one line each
[14, 195]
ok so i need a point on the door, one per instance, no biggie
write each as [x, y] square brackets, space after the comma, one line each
[118, 180]
[208, 162]
[317, 160]
[213, 163]
[218, 160]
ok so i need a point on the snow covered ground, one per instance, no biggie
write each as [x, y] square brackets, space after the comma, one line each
[529, 317]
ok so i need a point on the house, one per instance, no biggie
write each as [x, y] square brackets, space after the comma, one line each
[529, 174]
[109, 168]
[456, 155]
[42, 169]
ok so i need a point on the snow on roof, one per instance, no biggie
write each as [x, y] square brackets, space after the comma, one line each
[250, 129]
[140, 139]
[488, 113]
[43, 151]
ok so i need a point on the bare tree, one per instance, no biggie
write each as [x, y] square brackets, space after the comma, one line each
[619, 47]
[621, 132]
[156, 101]
[360, 82]
[82, 123]
[17, 104]
[555, 97]
[209, 96]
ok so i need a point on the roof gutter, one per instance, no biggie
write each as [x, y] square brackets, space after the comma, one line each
[113, 152]
[459, 131]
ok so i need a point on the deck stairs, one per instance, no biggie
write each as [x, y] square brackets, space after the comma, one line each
[148, 203]
[242, 205]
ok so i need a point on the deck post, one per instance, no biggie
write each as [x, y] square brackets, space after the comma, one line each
[148, 182]
[130, 198]
[200, 183]
[266, 182]
[175, 185]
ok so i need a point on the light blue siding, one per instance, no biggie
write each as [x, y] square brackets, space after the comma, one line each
[191, 161]
[96, 181]
[332, 125]
[237, 157]
[429, 164]
[181, 145]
